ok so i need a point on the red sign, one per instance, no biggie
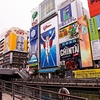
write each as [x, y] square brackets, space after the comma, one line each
[94, 7]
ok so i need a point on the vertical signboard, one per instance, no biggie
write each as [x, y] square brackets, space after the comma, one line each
[68, 32]
[70, 54]
[33, 51]
[67, 15]
[47, 7]
[94, 37]
[35, 16]
[15, 40]
[49, 41]
[85, 48]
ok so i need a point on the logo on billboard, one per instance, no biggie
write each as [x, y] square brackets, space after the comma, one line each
[69, 49]
[46, 26]
[35, 21]
[35, 14]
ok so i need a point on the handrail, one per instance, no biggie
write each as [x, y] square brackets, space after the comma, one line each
[7, 86]
[72, 81]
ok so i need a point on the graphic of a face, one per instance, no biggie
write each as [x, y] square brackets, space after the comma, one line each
[47, 37]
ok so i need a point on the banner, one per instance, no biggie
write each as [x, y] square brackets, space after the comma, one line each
[70, 54]
[35, 16]
[49, 41]
[15, 40]
[91, 73]
[84, 41]
[67, 15]
[94, 37]
[33, 51]
[69, 32]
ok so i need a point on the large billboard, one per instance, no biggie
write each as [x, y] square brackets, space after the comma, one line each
[94, 7]
[94, 37]
[67, 15]
[70, 54]
[49, 43]
[33, 50]
[68, 32]
[35, 16]
[15, 40]
[47, 7]
[84, 41]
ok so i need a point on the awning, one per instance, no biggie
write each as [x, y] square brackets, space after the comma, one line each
[47, 70]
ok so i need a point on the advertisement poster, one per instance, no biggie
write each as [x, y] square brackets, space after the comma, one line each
[94, 37]
[47, 7]
[69, 32]
[35, 16]
[49, 42]
[67, 15]
[15, 40]
[33, 51]
[84, 41]
[98, 21]
[91, 73]
[70, 54]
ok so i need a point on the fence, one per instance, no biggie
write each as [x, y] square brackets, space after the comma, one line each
[22, 91]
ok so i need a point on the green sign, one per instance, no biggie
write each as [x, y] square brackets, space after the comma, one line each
[34, 15]
[93, 29]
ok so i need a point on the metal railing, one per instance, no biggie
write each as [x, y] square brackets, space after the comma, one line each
[22, 91]
[59, 81]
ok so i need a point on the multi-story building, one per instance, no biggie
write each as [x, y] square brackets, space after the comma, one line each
[15, 48]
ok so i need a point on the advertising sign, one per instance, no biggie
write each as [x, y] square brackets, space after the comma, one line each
[49, 42]
[98, 21]
[69, 32]
[15, 40]
[35, 16]
[47, 7]
[33, 51]
[67, 15]
[84, 41]
[94, 7]
[91, 73]
[94, 37]
[70, 54]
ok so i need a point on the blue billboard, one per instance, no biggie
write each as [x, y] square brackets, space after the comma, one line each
[33, 51]
[48, 49]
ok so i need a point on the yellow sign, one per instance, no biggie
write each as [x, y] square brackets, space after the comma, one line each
[15, 40]
[90, 73]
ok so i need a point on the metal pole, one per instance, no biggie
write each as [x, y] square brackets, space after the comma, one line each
[1, 91]
[13, 91]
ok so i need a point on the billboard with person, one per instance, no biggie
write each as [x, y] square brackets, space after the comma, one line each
[49, 42]
[15, 40]
[85, 49]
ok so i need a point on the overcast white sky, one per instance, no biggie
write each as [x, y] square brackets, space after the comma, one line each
[17, 13]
